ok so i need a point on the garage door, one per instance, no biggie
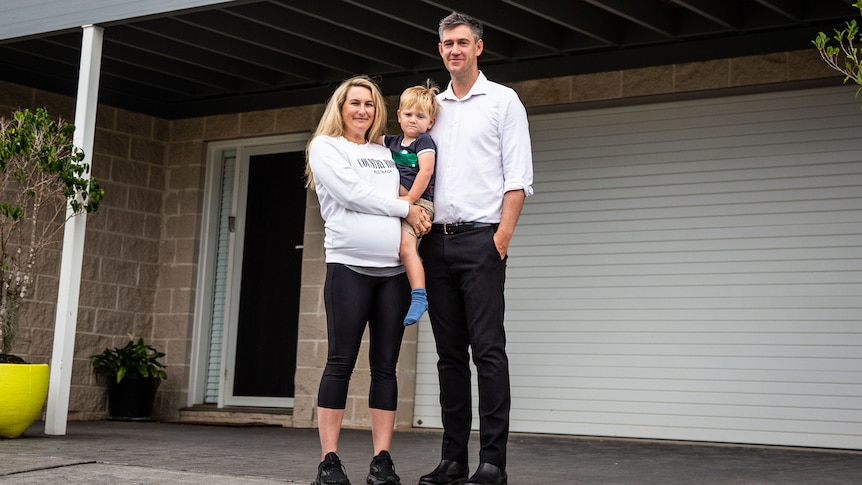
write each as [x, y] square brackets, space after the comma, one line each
[689, 270]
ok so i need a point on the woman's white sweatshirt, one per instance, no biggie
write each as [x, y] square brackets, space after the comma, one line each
[357, 186]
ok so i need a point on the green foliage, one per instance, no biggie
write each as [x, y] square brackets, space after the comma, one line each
[135, 360]
[41, 174]
[45, 146]
[843, 56]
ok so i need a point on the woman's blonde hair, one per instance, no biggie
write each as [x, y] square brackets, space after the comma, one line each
[332, 123]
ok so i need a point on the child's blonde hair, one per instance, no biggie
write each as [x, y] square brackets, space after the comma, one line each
[422, 98]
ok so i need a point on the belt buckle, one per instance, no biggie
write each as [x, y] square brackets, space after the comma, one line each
[446, 229]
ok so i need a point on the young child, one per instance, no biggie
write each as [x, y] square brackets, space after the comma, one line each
[414, 153]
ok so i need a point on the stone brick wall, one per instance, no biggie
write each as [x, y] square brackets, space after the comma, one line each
[121, 251]
[141, 249]
[692, 77]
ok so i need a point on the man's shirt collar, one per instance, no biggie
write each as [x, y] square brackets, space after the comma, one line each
[479, 87]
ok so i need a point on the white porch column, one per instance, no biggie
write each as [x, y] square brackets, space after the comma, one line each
[73, 240]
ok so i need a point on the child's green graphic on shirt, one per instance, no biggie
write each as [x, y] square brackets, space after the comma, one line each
[405, 158]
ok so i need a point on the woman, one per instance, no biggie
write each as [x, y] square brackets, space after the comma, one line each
[357, 185]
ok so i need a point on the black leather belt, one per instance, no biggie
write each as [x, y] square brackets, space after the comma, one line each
[459, 227]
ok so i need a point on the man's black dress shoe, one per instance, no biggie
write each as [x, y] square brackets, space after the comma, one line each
[447, 473]
[488, 474]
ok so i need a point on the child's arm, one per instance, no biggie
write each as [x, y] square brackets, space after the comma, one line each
[423, 178]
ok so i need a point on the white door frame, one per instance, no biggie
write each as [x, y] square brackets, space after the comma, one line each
[245, 149]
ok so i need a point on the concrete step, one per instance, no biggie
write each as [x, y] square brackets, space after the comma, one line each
[236, 416]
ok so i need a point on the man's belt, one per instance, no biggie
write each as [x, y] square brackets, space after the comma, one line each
[459, 227]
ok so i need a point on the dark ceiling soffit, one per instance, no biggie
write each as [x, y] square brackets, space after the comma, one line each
[507, 72]
[633, 58]
[255, 55]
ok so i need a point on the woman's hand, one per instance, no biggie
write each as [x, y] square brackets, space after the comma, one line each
[418, 218]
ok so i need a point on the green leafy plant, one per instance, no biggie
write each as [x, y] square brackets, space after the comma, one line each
[41, 174]
[844, 55]
[135, 360]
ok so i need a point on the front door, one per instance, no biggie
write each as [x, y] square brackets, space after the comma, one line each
[262, 330]
[266, 327]
[250, 277]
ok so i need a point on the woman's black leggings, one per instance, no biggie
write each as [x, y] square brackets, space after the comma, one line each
[351, 300]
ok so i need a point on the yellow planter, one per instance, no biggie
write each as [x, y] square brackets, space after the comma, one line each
[23, 389]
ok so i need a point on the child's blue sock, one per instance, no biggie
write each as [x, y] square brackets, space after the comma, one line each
[418, 305]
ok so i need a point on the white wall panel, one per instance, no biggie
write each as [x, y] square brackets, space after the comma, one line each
[689, 270]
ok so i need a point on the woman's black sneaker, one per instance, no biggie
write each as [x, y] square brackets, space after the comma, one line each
[382, 471]
[331, 472]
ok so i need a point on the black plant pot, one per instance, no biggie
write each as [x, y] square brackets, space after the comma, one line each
[132, 399]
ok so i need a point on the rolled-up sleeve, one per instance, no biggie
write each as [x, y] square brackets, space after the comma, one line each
[515, 147]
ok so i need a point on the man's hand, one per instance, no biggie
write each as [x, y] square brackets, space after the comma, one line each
[502, 242]
[513, 202]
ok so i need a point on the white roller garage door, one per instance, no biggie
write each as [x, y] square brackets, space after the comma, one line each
[689, 270]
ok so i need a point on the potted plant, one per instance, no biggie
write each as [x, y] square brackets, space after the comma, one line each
[844, 56]
[134, 374]
[41, 174]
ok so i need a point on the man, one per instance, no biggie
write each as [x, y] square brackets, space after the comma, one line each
[484, 172]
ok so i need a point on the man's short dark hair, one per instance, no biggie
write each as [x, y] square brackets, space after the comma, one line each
[455, 19]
